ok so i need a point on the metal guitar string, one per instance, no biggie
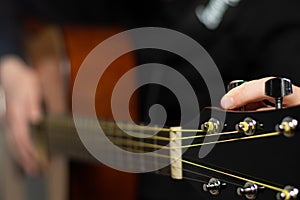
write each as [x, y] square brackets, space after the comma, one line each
[229, 175]
[145, 144]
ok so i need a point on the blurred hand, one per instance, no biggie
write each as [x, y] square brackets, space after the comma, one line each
[22, 96]
[252, 93]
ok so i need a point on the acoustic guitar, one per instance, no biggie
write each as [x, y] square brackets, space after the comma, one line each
[254, 154]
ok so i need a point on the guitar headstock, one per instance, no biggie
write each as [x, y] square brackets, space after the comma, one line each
[254, 154]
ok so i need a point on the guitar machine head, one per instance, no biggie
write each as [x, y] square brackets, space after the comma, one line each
[278, 88]
[256, 162]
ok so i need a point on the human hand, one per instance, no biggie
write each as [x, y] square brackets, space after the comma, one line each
[251, 94]
[22, 96]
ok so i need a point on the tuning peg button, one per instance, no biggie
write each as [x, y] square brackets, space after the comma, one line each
[278, 88]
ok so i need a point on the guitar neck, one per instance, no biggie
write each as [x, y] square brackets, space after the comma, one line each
[58, 135]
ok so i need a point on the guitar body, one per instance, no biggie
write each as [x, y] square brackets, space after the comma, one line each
[269, 160]
[97, 181]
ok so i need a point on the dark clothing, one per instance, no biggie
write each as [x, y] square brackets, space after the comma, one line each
[68, 12]
[255, 35]
[257, 38]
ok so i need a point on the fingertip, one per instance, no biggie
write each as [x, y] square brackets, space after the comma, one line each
[227, 102]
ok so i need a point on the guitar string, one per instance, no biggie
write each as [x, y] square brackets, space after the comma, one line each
[154, 128]
[161, 130]
[147, 144]
[186, 170]
[216, 167]
[278, 189]
[221, 172]
[232, 175]
[151, 145]
[133, 127]
[144, 144]
[119, 141]
[207, 176]
[201, 175]
[189, 171]
[141, 128]
[207, 135]
[231, 140]
[239, 177]
[147, 136]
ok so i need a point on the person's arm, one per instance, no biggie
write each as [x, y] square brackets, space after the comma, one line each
[253, 92]
[20, 85]
[22, 96]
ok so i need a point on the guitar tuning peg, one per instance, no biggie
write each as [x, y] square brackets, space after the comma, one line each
[212, 126]
[214, 186]
[234, 84]
[250, 190]
[248, 126]
[292, 192]
[287, 127]
[278, 88]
